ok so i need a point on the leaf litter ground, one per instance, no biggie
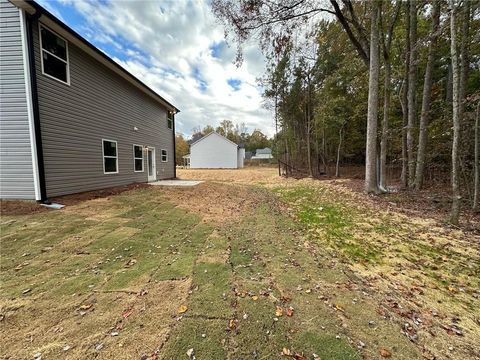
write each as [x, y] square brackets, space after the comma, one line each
[246, 265]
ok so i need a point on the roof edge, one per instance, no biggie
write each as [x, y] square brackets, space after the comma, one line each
[213, 132]
[32, 7]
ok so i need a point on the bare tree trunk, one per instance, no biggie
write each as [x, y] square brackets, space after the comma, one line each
[476, 181]
[324, 147]
[277, 147]
[412, 87]
[340, 136]
[309, 124]
[464, 58]
[456, 197]
[309, 151]
[387, 45]
[371, 184]
[427, 90]
[404, 101]
[384, 138]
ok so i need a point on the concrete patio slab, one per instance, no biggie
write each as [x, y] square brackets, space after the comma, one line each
[184, 183]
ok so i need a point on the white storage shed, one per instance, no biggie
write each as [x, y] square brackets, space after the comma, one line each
[214, 151]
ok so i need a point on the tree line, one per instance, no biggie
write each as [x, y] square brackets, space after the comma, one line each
[387, 84]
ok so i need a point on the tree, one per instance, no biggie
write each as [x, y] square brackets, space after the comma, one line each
[386, 46]
[371, 184]
[225, 128]
[476, 165]
[456, 196]
[412, 88]
[426, 98]
[257, 140]
[181, 148]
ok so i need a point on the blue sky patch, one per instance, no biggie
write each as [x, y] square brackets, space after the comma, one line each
[234, 84]
[113, 45]
[202, 84]
[217, 48]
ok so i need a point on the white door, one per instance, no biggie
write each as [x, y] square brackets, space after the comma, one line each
[151, 167]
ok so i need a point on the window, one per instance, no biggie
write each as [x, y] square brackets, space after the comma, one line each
[164, 156]
[138, 158]
[170, 120]
[54, 51]
[110, 157]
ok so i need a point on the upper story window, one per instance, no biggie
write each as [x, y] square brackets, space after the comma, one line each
[170, 120]
[54, 51]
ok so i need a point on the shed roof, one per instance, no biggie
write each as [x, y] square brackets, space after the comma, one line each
[263, 151]
[213, 132]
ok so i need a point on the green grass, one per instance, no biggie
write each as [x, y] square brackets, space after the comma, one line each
[330, 221]
[241, 271]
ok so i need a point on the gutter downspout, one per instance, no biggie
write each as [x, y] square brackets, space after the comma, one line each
[174, 149]
[36, 111]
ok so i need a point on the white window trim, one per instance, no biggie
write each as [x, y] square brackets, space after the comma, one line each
[161, 155]
[110, 157]
[40, 26]
[137, 158]
[168, 122]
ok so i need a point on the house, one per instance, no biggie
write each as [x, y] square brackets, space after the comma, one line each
[71, 119]
[214, 151]
[186, 161]
[262, 154]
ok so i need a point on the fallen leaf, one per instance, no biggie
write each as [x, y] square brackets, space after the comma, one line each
[254, 297]
[286, 351]
[232, 324]
[126, 314]
[339, 307]
[279, 311]
[290, 311]
[86, 307]
[130, 263]
[182, 309]
[385, 353]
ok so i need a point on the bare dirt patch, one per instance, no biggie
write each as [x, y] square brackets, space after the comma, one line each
[214, 202]
[253, 175]
[22, 207]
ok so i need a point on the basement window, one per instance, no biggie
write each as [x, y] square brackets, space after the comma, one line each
[110, 156]
[54, 50]
[164, 156]
[138, 158]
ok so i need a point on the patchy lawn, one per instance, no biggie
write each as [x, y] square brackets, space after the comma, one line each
[247, 266]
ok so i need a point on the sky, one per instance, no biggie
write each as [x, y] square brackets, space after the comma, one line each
[178, 49]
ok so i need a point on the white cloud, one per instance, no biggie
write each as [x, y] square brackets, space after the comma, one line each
[172, 52]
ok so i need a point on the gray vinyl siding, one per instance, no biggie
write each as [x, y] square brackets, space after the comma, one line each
[98, 104]
[16, 170]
